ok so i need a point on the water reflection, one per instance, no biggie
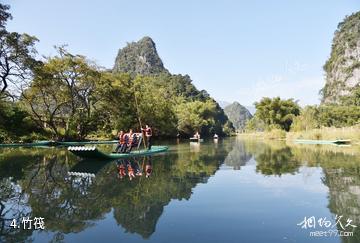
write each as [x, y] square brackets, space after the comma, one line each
[341, 174]
[344, 196]
[238, 156]
[74, 195]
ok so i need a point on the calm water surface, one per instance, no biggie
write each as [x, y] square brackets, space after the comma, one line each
[232, 191]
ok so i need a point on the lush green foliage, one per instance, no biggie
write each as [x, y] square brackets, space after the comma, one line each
[16, 123]
[275, 113]
[63, 94]
[308, 119]
[199, 116]
[342, 115]
[16, 57]
[353, 99]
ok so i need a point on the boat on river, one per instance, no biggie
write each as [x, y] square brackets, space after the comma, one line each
[336, 142]
[79, 143]
[34, 144]
[93, 153]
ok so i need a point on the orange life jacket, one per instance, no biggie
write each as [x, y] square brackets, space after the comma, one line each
[122, 139]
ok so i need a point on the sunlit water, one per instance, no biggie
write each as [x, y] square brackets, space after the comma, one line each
[232, 191]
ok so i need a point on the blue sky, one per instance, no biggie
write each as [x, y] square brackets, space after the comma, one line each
[236, 50]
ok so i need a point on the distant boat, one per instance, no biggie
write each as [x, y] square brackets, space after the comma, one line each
[337, 142]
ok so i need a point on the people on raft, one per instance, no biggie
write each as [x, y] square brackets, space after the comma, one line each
[127, 141]
[123, 141]
[148, 135]
[197, 135]
[133, 141]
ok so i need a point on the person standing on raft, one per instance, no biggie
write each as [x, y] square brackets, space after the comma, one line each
[197, 135]
[148, 134]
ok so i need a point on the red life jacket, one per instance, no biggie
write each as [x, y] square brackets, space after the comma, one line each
[148, 132]
[122, 139]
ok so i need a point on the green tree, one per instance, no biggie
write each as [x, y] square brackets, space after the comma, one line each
[277, 112]
[62, 94]
[352, 99]
[195, 116]
[4, 15]
[116, 107]
[155, 105]
[17, 60]
[308, 119]
[338, 116]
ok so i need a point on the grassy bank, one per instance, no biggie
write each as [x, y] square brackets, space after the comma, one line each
[326, 133]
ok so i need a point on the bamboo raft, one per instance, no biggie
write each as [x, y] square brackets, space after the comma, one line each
[336, 142]
[93, 153]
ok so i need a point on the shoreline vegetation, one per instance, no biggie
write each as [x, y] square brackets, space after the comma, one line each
[325, 133]
[285, 120]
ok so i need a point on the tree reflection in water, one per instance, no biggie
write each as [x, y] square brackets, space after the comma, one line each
[238, 156]
[341, 174]
[72, 196]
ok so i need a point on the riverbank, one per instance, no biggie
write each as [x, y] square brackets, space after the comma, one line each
[325, 133]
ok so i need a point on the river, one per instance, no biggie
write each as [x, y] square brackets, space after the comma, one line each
[235, 190]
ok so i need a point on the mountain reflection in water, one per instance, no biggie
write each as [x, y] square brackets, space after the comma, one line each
[75, 195]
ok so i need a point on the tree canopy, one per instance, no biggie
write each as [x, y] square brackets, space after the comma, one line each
[275, 112]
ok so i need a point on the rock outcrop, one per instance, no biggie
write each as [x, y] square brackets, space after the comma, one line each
[238, 115]
[342, 69]
[139, 58]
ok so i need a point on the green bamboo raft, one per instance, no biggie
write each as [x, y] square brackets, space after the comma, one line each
[34, 144]
[336, 142]
[93, 153]
[86, 143]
